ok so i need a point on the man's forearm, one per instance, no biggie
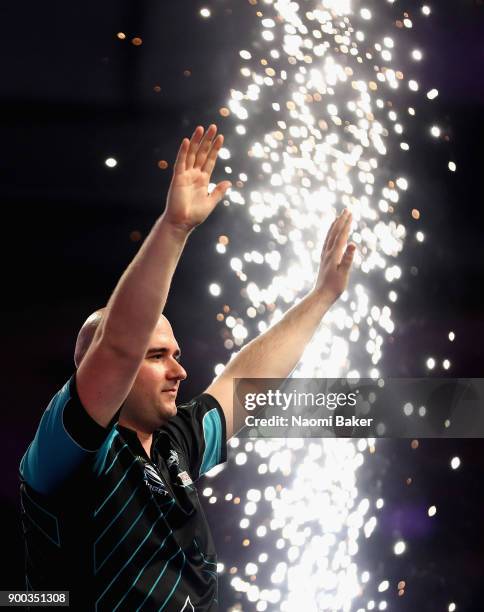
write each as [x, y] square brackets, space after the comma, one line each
[141, 293]
[276, 352]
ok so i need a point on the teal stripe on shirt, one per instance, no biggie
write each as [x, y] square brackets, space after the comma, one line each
[212, 432]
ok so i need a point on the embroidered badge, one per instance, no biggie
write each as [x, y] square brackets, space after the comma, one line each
[173, 458]
[185, 478]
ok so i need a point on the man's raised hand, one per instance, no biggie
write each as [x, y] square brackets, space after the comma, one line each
[189, 203]
[336, 259]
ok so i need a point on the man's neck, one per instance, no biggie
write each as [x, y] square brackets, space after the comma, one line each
[145, 438]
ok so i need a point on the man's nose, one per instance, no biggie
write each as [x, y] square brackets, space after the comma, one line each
[178, 371]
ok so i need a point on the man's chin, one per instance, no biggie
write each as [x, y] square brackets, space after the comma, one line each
[169, 409]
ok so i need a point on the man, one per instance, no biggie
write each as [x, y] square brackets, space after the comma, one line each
[109, 508]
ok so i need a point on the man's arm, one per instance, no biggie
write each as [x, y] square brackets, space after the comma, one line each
[275, 353]
[110, 366]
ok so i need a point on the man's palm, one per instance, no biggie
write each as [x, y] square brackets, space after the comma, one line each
[336, 258]
[189, 202]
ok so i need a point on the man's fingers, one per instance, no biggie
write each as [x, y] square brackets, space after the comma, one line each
[347, 259]
[181, 158]
[212, 155]
[335, 229]
[193, 148]
[326, 242]
[342, 237]
[219, 192]
[205, 145]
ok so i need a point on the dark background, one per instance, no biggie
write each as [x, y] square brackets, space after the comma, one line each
[72, 94]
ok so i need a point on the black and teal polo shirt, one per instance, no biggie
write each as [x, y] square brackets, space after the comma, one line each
[118, 529]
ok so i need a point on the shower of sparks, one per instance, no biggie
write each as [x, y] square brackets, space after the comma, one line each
[317, 111]
[308, 518]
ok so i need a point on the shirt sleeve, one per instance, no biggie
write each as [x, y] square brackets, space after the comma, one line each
[199, 429]
[65, 438]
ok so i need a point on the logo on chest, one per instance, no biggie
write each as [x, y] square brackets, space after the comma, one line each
[173, 459]
[153, 480]
[180, 475]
